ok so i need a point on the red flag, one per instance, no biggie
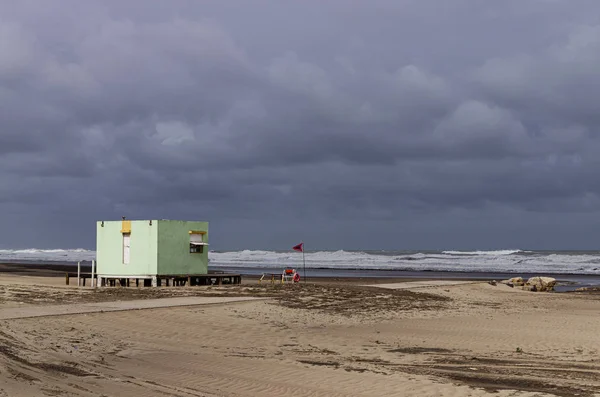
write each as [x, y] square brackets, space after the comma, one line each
[299, 247]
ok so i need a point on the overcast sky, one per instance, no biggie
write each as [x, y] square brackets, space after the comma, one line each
[389, 124]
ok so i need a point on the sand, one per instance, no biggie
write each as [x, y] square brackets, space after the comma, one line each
[423, 284]
[322, 339]
[14, 313]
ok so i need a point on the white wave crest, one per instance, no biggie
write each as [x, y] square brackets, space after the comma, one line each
[492, 253]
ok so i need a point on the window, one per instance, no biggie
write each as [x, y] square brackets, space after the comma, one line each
[197, 243]
[126, 248]
[196, 249]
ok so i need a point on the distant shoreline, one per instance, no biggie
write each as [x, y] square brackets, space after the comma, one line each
[41, 269]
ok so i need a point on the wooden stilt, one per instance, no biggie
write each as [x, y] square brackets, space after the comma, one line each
[168, 280]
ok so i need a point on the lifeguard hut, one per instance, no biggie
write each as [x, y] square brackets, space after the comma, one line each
[152, 250]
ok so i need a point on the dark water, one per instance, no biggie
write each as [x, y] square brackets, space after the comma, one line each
[566, 282]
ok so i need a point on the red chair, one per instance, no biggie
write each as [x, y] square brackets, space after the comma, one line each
[289, 275]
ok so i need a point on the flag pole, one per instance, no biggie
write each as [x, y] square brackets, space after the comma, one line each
[303, 262]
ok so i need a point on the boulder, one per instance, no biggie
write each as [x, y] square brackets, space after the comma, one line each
[514, 282]
[541, 284]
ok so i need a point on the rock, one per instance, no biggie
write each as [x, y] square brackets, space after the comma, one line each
[587, 289]
[515, 281]
[541, 283]
[493, 282]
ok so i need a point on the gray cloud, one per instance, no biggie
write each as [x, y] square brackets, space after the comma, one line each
[388, 124]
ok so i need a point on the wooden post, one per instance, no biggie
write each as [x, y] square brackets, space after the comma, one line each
[78, 273]
[67, 278]
[93, 270]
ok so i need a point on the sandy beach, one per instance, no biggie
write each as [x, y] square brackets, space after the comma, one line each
[315, 339]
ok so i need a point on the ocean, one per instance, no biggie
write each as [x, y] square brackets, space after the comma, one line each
[573, 269]
[500, 261]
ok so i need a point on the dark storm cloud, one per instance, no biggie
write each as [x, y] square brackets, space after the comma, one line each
[274, 119]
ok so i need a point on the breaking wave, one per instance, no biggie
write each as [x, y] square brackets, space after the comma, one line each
[493, 253]
[47, 255]
[505, 261]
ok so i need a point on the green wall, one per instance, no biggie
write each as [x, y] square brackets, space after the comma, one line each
[174, 255]
[143, 251]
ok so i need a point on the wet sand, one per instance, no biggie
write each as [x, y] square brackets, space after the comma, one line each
[331, 338]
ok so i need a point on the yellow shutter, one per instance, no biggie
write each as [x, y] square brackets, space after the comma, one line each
[126, 227]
